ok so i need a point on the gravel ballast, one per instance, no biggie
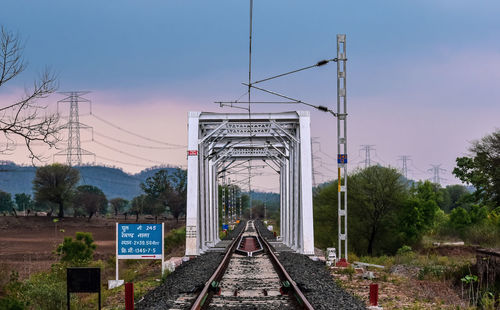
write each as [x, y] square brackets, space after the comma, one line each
[313, 279]
[317, 283]
[188, 278]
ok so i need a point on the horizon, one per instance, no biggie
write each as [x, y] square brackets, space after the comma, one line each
[421, 76]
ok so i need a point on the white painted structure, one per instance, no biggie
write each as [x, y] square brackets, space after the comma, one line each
[218, 141]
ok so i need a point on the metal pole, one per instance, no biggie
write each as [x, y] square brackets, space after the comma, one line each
[162, 249]
[342, 145]
[116, 242]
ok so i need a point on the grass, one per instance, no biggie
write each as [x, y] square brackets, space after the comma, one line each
[145, 274]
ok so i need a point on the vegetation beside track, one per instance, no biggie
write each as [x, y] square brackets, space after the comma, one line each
[46, 290]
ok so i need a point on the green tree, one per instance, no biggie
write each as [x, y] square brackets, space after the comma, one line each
[79, 251]
[325, 216]
[459, 219]
[118, 205]
[6, 203]
[419, 211]
[376, 194]
[90, 199]
[178, 198]
[157, 188]
[55, 183]
[482, 169]
[23, 201]
[454, 195]
[166, 190]
[138, 205]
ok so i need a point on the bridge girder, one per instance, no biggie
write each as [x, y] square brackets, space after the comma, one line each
[217, 141]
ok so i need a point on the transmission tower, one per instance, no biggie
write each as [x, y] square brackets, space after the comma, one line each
[367, 148]
[436, 170]
[74, 151]
[404, 169]
[315, 160]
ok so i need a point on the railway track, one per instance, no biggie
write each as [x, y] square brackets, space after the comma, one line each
[243, 272]
[250, 277]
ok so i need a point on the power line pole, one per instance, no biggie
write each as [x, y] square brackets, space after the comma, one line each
[404, 169]
[436, 170]
[74, 151]
[367, 148]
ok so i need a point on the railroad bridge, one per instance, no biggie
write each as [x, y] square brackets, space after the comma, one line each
[219, 141]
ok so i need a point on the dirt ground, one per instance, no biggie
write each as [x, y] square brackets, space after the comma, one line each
[27, 244]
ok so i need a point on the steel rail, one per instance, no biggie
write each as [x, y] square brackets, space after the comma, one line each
[204, 296]
[298, 293]
[219, 272]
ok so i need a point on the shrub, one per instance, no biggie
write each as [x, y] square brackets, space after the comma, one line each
[10, 303]
[459, 219]
[405, 249]
[44, 291]
[79, 251]
[485, 234]
[174, 239]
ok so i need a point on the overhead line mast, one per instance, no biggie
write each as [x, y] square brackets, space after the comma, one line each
[342, 145]
[249, 107]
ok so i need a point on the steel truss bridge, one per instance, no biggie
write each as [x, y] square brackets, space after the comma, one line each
[219, 141]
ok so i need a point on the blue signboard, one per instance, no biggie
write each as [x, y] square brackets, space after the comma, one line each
[342, 158]
[139, 241]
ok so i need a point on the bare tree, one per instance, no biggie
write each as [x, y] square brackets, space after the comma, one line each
[25, 119]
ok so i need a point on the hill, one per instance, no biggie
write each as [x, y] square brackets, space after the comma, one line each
[114, 182]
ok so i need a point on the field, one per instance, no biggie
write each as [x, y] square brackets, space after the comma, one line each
[27, 244]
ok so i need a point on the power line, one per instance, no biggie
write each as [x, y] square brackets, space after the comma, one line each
[128, 154]
[136, 134]
[139, 145]
[122, 162]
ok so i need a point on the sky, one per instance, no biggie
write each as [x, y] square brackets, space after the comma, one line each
[422, 76]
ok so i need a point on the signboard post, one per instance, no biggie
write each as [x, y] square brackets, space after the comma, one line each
[83, 280]
[138, 241]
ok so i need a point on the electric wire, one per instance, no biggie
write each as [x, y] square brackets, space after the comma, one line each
[139, 145]
[128, 154]
[122, 162]
[136, 134]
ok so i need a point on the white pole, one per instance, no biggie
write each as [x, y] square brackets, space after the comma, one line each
[116, 242]
[162, 248]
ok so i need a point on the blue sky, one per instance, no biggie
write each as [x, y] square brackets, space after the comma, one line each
[423, 76]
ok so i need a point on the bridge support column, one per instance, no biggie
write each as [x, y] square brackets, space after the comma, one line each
[306, 215]
[192, 210]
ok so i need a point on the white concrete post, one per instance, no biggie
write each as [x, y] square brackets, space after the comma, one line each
[289, 205]
[208, 188]
[282, 201]
[306, 215]
[192, 229]
[296, 197]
